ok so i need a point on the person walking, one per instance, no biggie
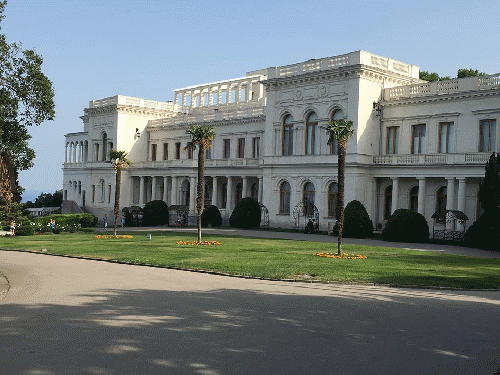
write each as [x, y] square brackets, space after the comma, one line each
[105, 221]
[12, 227]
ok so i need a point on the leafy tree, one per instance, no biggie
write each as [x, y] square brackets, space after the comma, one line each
[26, 98]
[246, 214]
[47, 200]
[489, 190]
[406, 225]
[340, 131]
[119, 161]
[463, 73]
[201, 137]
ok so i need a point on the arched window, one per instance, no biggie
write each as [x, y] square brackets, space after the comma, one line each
[311, 134]
[104, 146]
[414, 198]
[185, 189]
[285, 198]
[336, 115]
[309, 192]
[387, 202]
[333, 200]
[287, 142]
[441, 198]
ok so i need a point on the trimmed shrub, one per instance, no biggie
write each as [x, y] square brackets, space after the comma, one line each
[25, 230]
[155, 213]
[406, 226]
[485, 232]
[357, 222]
[211, 216]
[246, 214]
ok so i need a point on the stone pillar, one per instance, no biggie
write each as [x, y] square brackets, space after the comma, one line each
[229, 199]
[244, 193]
[192, 194]
[260, 189]
[450, 194]
[153, 188]
[74, 152]
[461, 194]
[215, 191]
[66, 153]
[165, 189]
[371, 200]
[395, 194]
[421, 195]
[141, 191]
[174, 192]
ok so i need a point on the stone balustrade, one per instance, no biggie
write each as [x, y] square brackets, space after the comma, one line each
[136, 102]
[426, 159]
[353, 58]
[443, 87]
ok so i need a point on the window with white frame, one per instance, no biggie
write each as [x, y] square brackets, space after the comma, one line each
[311, 133]
[287, 141]
[418, 139]
[392, 143]
[285, 190]
[332, 200]
[487, 135]
[446, 137]
[256, 147]
[241, 148]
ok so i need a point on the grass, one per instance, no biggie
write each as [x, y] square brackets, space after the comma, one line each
[276, 259]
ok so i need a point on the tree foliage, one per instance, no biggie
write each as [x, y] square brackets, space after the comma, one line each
[201, 137]
[47, 200]
[26, 99]
[461, 73]
[489, 190]
[340, 131]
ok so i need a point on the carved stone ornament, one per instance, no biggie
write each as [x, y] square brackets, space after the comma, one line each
[298, 95]
[322, 91]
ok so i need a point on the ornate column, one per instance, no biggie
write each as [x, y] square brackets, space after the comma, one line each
[421, 195]
[165, 189]
[192, 194]
[215, 191]
[74, 153]
[153, 188]
[461, 194]
[450, 194]
[174, 192]
[66, 153]
[395, 194]
[141, 191]
[260, 189]
[229, 198]
[244, 193]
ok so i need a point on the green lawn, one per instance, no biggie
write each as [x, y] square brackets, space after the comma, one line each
[276, 258]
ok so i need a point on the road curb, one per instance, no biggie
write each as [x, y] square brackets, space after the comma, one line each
[217, 273]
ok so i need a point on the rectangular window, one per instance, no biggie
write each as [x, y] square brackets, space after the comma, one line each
[256, 147]
[178, 150]
[165, 151]
[392, 140]
[109, 193]
[287, 141]
[93, 193]
[153, 152]
[208, 153]
[190, 153]
[241, 148]
[227, 148]
[334, 148]
[446, 130]
[487, 135]
[418, 139]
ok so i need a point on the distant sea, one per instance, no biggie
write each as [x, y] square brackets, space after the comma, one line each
[31, 195]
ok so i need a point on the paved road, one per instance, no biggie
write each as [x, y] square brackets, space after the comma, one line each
[73, 316]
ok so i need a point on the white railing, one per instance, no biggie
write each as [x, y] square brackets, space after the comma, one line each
[443, 87]
[426, 159]
[136, 102]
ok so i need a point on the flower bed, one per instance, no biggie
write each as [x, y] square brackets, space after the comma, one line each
[111, 236]
[198, 243]
[341, 256]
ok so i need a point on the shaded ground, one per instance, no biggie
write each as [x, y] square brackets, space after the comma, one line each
[71, 316]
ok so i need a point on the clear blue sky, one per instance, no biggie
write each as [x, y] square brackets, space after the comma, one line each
[146, 48]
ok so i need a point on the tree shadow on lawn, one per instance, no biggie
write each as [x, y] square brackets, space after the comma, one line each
[249, 332]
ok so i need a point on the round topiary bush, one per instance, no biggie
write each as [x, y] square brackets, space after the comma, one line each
[88, 220]
[406, 226]
[211, 216]
[485, 232]
[25, 230]
[357, 222]
[246, 214]
[155, 213]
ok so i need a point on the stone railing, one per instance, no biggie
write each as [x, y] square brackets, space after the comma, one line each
[353, 58]
[443, 87]
[193, 163]
[136, 102]
[207, 116]
[426, 159]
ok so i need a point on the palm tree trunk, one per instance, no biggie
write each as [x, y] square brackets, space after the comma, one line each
[201, 186]
[341, 170]
[117, 197]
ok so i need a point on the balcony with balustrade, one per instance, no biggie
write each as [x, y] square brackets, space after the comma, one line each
[479, 158]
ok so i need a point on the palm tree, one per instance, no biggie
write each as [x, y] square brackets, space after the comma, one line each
[119, 161]
[201, 137]
[340, 131]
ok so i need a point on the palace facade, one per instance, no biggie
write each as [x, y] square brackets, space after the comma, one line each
[417, 144]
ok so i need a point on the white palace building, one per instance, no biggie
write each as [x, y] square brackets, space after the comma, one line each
[417, 144]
